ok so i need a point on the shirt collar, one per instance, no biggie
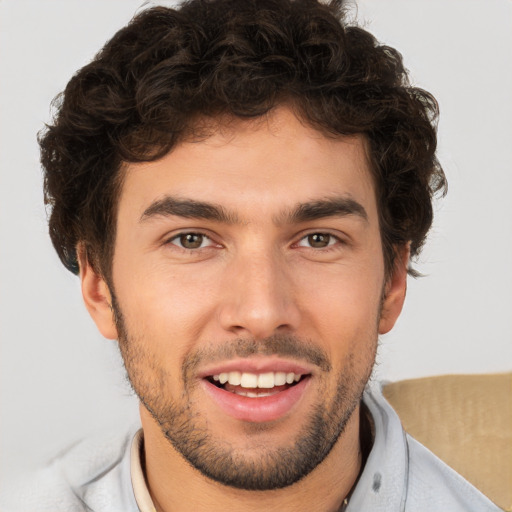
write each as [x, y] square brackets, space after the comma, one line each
[382, 485]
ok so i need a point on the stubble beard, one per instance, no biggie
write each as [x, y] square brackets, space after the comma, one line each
[188, 431]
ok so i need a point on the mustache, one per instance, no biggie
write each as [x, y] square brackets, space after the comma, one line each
[276, 345]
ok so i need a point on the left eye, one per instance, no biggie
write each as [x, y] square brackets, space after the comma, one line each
[191, 241]
[317, 240]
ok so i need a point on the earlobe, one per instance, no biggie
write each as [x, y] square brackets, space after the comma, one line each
[97, 297]
[395, 290]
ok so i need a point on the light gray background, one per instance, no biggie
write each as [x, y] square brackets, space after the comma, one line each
[59, 379]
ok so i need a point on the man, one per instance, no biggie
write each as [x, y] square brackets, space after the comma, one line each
[241, 186]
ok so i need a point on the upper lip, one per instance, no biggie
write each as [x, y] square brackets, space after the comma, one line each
[256, 365]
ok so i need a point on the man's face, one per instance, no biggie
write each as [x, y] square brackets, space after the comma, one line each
[253, 256]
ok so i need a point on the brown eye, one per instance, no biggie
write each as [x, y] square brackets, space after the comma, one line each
[191, 240]
[319, 240]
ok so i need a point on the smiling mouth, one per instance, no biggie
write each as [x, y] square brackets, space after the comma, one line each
[256, 385]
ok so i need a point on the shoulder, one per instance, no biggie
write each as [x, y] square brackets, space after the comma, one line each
[43, 490]
[432, 481]
[91, 474]
[402, 474]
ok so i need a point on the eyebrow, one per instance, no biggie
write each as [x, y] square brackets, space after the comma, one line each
[191, 209]
[341, 206]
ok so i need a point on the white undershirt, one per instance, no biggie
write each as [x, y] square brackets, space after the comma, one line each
[140, 489]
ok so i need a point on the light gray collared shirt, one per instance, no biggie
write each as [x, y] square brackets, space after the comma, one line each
[105, 475]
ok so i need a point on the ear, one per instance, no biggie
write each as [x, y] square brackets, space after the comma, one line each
[394, 291]
[96, 295]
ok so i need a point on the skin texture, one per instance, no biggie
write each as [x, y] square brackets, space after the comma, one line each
[258, 288]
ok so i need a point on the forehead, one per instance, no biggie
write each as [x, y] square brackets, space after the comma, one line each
[269, 163]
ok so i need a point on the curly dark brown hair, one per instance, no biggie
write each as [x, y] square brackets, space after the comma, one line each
[151, 83]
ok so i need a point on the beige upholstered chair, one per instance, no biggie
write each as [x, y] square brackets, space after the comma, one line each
[466, 420]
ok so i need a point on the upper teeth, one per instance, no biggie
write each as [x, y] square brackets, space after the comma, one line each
[257, 380]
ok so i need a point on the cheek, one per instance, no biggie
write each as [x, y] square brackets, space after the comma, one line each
[343, 306]
[164, 303]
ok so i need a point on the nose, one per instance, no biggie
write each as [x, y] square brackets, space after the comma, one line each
[259, 298]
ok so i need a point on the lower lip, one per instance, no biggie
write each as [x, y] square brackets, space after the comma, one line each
[257, 410]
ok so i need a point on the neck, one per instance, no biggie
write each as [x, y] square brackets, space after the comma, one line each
[176, 486]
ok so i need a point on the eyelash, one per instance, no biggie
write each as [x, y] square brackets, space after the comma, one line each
[179, 236]
[332, 242]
